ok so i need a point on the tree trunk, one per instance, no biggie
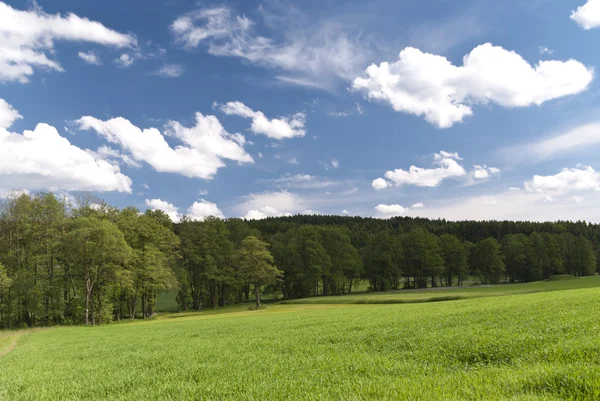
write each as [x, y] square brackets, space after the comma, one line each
[88, 295]
[257, 291]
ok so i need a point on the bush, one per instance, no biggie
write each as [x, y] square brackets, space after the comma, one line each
[560, 277]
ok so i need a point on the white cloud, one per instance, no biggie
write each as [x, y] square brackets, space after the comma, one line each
[206, 144]
[578, 137]
[509, 205]
[293, 160]
[90, 57]
[271, 204]
[198, 211]
[446, 155]
[346, 212]
[431, 86]
[125, 60]
[587, 16]
[545, 50]
[27, 39]
[171, 210]
[109, 154]
[42, 159]
[583, 178]
[303, 181]
[481, 172]
[277, 128]
[8, 114]
[422, 177]
[417, 205]
[391, 210]
[346, 113]
[203, 209]
[578, 199]
[170, 71]
[335, 164]
[379, 183]
[316, 55]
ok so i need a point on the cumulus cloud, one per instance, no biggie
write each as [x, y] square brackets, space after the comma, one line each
[277, 128]
[316, 55]
[27, 39]
[42, 159]
[379, 183]
[90, 57]
[171, 210]
[391, 210]
[481, 172]
[582, 178]
[203, 209]
[395, 209]
[125, 60]
[587, 16]
[429, 85]
[112, 155]
[423, 177]
[8, 114]
[271, 204]
[170, 71]
[199, 211]
[448, 166]
[205, 145]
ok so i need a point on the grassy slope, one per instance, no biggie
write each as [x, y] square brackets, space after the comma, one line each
[433, 295]
[543, 346]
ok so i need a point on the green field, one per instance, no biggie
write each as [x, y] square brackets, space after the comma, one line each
[455, 293]
[537, 346]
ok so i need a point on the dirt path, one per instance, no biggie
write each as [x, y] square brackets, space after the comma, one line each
[10, 347]
[15, 336]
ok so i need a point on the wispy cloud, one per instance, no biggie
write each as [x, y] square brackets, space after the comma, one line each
[315, 54]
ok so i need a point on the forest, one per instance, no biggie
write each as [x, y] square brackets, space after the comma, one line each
[82, 261]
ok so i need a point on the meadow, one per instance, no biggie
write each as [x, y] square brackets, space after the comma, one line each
[524, 346]
[453, 293]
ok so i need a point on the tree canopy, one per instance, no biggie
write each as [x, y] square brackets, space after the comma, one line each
[83, 261]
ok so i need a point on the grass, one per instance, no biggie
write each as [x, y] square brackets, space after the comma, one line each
[537, 346]
[454, 293]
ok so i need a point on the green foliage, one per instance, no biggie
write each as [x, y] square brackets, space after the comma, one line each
[560, 277]
[488, 261]
[256, 265]
[59, 264]
[456, 259]
[382, 258]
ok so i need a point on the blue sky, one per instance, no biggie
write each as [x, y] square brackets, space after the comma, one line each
[451, 109]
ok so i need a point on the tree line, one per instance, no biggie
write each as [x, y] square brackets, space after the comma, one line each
[85, 262]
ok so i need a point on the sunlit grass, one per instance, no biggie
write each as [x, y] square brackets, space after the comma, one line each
[543, 346]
